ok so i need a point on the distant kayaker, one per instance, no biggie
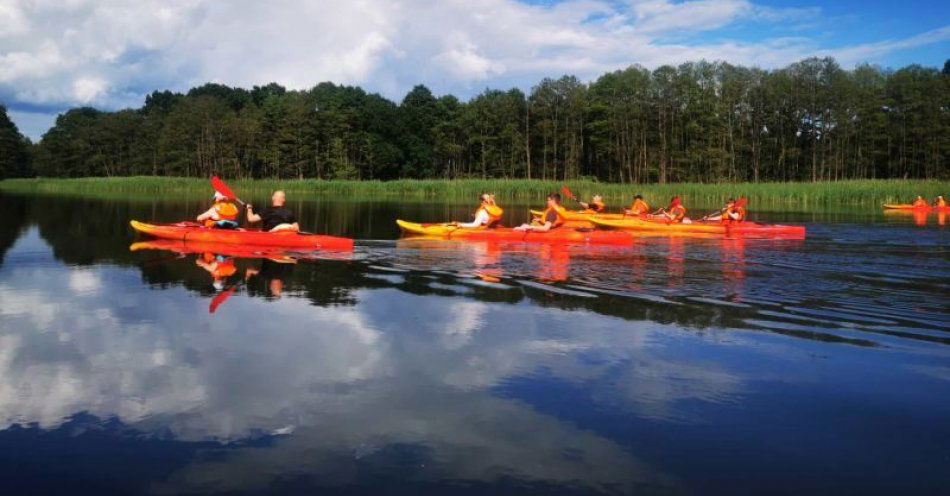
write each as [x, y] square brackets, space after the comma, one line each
[595, 206]
[921, 202]
[553, 217]
[734, 211]
[488, 214]
[638, 207]
[276, 217]
[940, 202]
[675, 213]
[223, 214]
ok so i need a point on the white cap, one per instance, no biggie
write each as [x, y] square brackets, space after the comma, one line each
[219, 196]
[219, 285]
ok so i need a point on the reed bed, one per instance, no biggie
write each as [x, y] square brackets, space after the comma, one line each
[854, 192]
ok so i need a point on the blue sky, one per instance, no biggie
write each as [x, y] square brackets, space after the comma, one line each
[111, 53]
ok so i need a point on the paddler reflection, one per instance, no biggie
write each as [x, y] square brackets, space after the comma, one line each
[219, 266]
[733, 266]
[554, 262]
[270, 277]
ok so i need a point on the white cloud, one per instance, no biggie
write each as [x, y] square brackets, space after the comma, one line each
[110, 53]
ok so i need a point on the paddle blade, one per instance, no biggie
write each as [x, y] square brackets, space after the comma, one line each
[741, 202]
[567, 192]
[220, 298]
[222, 188]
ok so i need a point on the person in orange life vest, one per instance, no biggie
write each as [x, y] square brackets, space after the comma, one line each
[220, 268]
[553, 217]
[639, 207]
[596, 205]
[675, 213]
[734, 211]
[920, 202]
[223, 214]
[940, 202]
[487, 215]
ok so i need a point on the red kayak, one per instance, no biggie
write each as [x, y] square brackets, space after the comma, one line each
[189, 231]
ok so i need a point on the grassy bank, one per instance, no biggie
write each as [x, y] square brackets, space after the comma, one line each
[863, 192]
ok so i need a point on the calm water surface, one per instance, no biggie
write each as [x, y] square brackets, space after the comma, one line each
[672, 366]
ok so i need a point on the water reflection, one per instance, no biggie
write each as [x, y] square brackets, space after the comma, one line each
[674, 365]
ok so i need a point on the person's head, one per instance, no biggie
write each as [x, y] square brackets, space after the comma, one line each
[598, 199]
[637, 197]
[278, 198]
[675, 202]
[276, 287]
[920, 197]
[554, 199]
[485, 198]
[731, 202]
[218, 284]
[491, 198]
[218, 197]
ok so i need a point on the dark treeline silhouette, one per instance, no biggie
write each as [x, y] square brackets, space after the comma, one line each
[704, 122]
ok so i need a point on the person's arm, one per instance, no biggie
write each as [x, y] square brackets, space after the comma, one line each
[480, 219]
[251, 216]
[209, 214]
[583, 205]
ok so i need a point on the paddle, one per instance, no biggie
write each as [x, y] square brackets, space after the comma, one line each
[220, 298]
[222, 188]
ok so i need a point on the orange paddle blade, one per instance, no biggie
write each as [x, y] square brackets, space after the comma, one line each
[567, 192]
[741, 202]
[222, 188]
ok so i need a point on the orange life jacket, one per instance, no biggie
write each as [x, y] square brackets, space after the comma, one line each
[561, 216]
[920, 203]
[494, 213]
[224, 269]
[225, 211]
[940, 202]
[678, 212]
[727, 215]
[639, 207]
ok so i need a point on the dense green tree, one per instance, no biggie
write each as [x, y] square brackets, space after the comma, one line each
[14, 149]
[700, 121]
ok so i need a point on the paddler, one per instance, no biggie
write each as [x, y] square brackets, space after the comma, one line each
[223, 214]
[488, 214]
[920, 202]
[276, 217]
[638, 207]
[940, 202]
[734, 211]
[596, 205]
[553, 217]
[675, 213]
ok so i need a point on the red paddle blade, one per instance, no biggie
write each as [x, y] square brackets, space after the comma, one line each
[222, 188]
[567, 192]
[220, 298]
[741, 202]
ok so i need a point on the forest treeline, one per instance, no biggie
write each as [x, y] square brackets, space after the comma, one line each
[698, 122]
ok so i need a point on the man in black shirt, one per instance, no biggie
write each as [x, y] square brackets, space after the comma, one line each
[276, 217]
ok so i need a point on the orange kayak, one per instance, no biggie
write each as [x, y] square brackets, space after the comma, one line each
[744, 229]
[560, 235]
[188, 231]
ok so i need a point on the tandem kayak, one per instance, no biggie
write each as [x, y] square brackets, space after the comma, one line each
[581, 215]
[559, 235]
[908, 207]
[188, 231]
[744, 229]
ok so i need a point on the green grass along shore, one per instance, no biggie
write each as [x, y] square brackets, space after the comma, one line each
[856, 192]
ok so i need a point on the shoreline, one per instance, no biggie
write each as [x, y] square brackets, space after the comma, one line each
[850, 192]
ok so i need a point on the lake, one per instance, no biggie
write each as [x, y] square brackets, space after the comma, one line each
[671, 366]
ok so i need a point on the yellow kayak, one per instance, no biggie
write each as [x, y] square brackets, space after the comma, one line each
[747, 229]
[560, 235]
[580, 215]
